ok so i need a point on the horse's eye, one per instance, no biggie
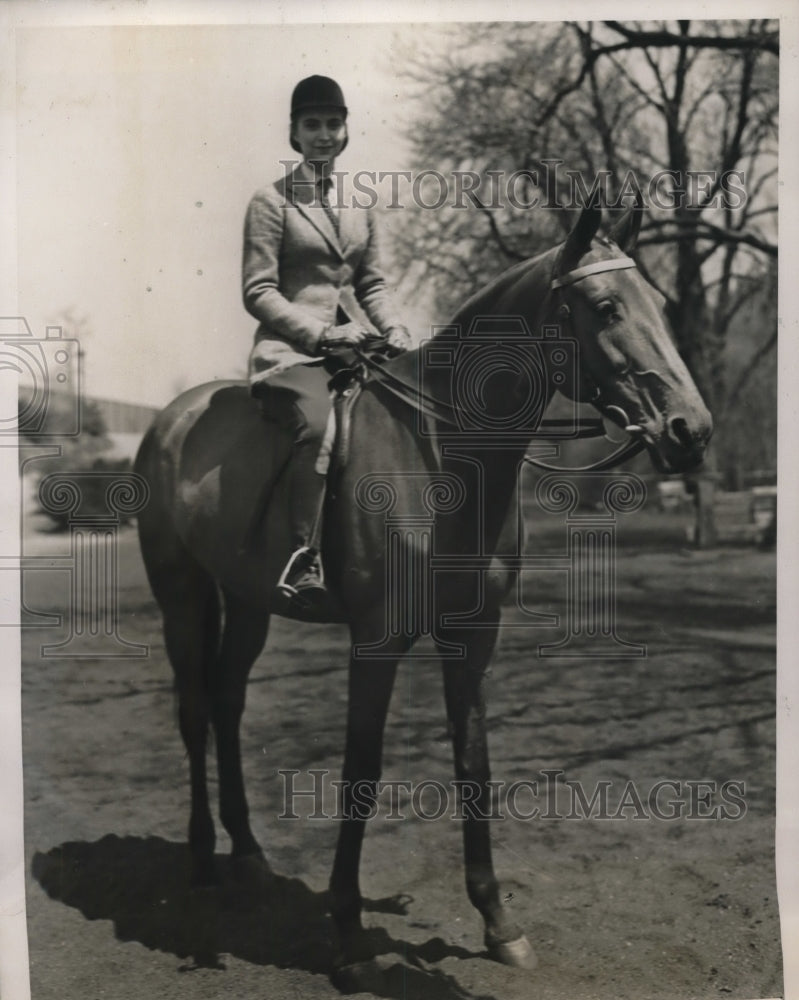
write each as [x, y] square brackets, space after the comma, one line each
[606, 308]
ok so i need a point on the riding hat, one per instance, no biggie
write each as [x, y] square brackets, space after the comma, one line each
[316, 92]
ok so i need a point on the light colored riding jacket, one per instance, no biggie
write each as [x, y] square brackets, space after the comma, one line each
[298, 273]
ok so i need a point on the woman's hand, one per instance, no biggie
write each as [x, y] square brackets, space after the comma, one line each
[398, 340]
[346, 333]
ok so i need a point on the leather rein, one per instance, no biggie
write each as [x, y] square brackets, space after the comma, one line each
[587, 427]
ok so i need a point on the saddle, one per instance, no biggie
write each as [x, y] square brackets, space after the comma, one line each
[350, 371]
[345, 386]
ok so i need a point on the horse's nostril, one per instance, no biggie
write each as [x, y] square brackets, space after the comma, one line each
[680, 431]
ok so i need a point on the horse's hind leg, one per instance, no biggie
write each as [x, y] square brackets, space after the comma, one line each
[189, 603]
[190, 608]
[242, 640]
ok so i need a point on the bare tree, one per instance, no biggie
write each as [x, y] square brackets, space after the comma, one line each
[685, 112]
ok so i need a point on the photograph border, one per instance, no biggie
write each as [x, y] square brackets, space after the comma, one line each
[20, 14]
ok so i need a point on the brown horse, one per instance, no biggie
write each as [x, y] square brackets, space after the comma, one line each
[209, 457]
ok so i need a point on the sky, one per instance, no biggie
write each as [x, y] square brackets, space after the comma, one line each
[138, 149]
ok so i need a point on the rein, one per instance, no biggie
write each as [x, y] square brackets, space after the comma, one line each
[587, 427]
[444, 412]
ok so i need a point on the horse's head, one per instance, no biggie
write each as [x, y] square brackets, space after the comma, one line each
[629, 368]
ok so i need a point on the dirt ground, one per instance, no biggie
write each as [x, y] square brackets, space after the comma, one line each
[631, 905]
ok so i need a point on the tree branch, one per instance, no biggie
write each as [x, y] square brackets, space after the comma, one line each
[704, 230]
[751, 289]
[731, 153]
[653, 282]
[641, 91]
[768, 41]
[509, 251]
[590, 56]
[748, 370]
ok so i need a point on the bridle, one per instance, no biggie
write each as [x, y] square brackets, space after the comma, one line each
[629, 448]
[587, 427]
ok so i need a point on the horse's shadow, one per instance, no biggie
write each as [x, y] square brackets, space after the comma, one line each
[141, 885]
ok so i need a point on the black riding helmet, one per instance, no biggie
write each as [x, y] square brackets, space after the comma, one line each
[316, 92]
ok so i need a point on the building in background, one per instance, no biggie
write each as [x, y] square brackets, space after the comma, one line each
[125, 423]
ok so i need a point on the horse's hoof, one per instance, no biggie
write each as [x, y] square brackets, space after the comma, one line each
[518, 953]
[358, 977]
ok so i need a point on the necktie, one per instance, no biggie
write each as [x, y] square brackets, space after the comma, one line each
[325, 186]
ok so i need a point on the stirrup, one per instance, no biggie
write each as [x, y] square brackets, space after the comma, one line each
[284, 586]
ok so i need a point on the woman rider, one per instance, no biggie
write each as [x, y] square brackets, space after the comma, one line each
[302, 258]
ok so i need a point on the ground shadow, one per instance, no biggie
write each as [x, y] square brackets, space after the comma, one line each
[141, 885]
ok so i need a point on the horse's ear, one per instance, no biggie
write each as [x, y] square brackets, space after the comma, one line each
[578, 242]
[625, 232]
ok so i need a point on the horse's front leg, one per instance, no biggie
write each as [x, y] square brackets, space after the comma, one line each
[370, 685]
[465, 697]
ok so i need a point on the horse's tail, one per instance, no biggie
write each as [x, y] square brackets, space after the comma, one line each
[154, 519]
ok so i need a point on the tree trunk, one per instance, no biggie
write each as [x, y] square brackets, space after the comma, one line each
[700, 350]
[704, 489]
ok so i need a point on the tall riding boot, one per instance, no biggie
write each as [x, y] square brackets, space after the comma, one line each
[303, 577]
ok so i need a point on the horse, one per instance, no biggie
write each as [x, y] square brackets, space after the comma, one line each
[211, 462]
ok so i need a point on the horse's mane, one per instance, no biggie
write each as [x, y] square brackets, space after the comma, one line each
[485, 297]
[535, 271]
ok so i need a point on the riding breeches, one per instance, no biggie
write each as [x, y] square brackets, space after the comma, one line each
[298, 399]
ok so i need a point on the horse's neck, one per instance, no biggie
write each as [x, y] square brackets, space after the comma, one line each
[489, 468]
[486, 471]
[521, 291]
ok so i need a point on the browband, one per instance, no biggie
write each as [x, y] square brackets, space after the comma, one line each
[615, 264]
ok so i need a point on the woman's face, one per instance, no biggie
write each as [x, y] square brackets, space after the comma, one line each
[321, 134]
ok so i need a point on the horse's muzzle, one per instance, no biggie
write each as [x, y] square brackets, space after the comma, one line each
[682, 444]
